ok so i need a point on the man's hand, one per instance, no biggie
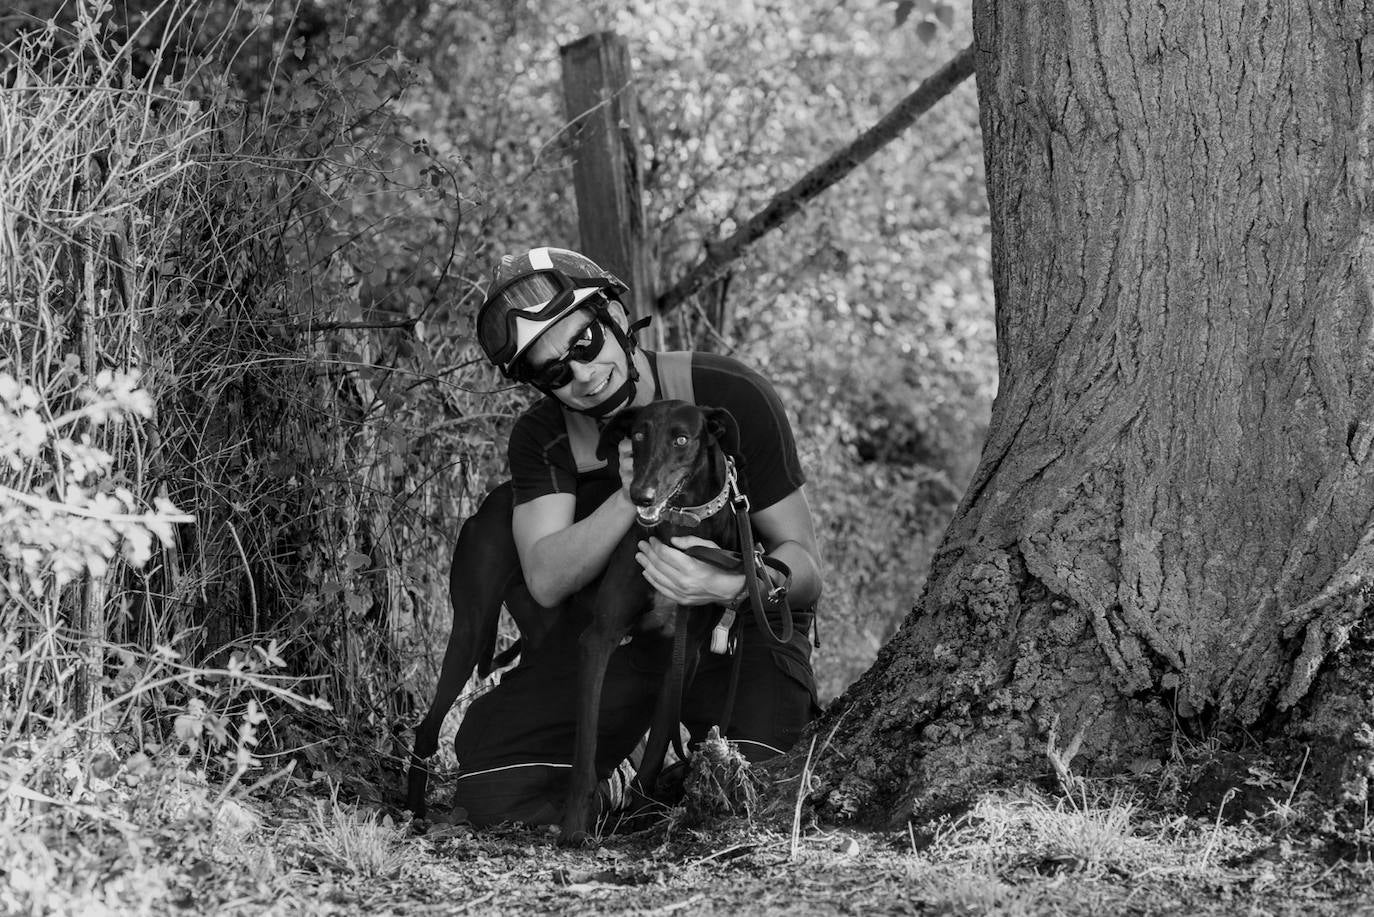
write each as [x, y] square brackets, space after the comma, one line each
[681, 577]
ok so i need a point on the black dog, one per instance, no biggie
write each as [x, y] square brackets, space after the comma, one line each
[683, 481]
[682, 485]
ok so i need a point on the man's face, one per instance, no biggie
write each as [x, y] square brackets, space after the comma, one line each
[592, 381]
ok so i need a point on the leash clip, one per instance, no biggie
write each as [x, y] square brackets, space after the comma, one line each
[740, 500]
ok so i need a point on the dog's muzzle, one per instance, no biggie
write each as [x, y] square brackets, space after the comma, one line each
[652, 515]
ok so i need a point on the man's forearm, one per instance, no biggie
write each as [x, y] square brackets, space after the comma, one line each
[805, 588]
[563, 562]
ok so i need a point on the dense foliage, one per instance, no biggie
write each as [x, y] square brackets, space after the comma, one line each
[265, 229]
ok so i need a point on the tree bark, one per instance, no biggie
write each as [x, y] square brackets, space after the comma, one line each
[1171, 524]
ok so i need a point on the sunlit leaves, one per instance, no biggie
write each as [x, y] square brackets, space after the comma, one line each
[935, 14]
[64, 512]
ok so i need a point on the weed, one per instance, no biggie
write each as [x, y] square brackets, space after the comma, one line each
[368, 845]
[1101, 833]
[719, 781]
[1093, 841]
[972, 893]
[1283, 814]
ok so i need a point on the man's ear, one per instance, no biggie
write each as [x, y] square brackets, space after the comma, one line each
[616, 310]
[614, 432]
[721, 426]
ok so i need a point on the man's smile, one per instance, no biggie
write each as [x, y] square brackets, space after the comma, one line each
[600, 386]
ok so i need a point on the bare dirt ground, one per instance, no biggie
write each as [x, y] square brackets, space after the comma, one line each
[1016, 853]
[334, 842]
[744, 871]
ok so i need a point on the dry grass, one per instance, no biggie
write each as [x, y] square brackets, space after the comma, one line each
[299, 848]
[367, 844]
[1084, 836]
[719, 782]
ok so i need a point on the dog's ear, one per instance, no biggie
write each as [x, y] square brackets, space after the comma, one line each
[721, 426]
[614, 432]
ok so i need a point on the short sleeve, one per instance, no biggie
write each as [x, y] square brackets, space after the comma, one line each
[541, 460]
[771, 466]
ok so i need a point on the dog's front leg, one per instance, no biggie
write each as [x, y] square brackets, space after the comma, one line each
[618, 603]
[594, 653]
[689, 634]
[668, 710]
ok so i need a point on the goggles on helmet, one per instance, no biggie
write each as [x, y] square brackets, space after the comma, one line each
[518, 311]
[557, 373]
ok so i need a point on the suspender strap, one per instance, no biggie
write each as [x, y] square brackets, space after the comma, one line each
[582, 437]
[675, 376]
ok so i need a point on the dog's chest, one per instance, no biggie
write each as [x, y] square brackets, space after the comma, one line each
[658, 619]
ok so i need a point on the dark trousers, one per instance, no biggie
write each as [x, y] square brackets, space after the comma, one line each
[515, 744]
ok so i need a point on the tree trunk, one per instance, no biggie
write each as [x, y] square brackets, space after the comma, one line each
[1171, 525]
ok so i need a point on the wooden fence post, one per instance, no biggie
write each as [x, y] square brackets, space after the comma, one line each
[598, 93]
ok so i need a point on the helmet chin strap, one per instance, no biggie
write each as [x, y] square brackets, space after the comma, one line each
[626, 393]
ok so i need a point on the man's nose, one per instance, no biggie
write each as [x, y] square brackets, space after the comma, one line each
[582, 372]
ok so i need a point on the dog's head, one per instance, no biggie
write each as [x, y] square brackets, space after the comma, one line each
[672, 443]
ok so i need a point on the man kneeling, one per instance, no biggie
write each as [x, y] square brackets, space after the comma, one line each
[553, 319]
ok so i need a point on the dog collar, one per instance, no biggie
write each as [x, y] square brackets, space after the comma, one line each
[692, 516]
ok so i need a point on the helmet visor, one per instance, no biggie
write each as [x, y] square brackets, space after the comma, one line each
[516, 313]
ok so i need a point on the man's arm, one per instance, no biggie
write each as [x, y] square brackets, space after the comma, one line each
[560, 556]
[786, 526]
[789, 530]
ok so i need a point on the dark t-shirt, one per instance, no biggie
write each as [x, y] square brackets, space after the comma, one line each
[542, 463]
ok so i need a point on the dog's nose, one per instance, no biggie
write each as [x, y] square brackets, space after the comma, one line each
[643, 496]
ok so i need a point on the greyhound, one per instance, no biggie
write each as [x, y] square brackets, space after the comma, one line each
[684, 481]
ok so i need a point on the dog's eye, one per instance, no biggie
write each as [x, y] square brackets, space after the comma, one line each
[680, 441]
[637, 436]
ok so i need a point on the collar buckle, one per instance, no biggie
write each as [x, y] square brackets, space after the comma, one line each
[692, 516]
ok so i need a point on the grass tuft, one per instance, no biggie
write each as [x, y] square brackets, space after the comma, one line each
[719, 782]
[1089, 840]
[1089, 837]
[366, 844]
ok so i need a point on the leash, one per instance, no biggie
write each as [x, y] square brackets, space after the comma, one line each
[739, 503]
[755, 565]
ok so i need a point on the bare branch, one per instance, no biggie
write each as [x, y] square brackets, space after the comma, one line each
[788, 202]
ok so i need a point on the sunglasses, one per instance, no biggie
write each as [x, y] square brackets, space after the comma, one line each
[557, 373]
